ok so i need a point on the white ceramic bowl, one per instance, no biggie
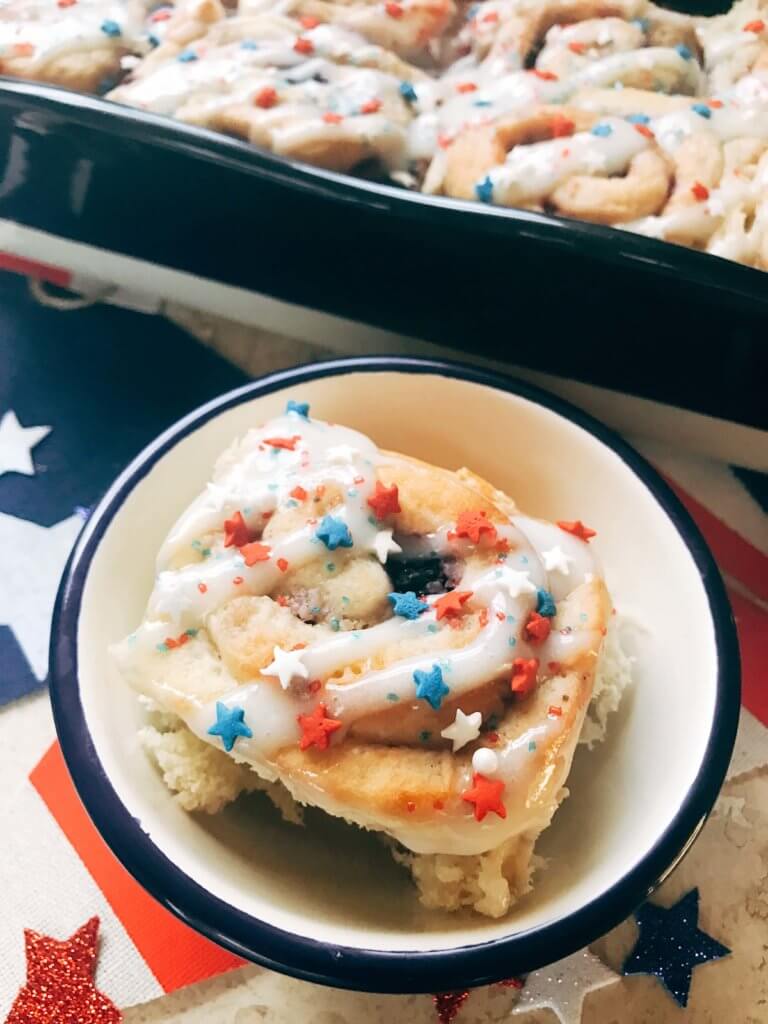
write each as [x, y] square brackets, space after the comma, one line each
[327, 903]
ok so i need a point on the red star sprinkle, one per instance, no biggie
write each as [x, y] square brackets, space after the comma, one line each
[298, 493]
[330, 118]
[60, 986]
[700, 192]
[303, 45]
[370, 107]
[317, 728]
[562, 126]
[474, 524]
[384, 501]
[309, 21]
[393, 10]
[179, 641]
[448, 1004]
[485, 794]
[236, 532]
[255, 552]
[451, 604]
[537, 628]
[756, 26]
[577, 528]
[524, 672]
[266, 97]
[288, 443]
[282, 564]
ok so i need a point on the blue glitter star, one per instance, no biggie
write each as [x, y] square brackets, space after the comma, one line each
[334, 533]
[545, 603]
[300, 408]
[229, 725]
[670, 945]
[484, 190]
[430, 686]
[407, 605]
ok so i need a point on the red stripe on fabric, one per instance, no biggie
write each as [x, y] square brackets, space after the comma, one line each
[42, 271]
[752, 623]
[734, 554]
[175, 954]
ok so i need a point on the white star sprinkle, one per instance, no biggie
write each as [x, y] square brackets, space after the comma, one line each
[517, 583]
[286, 666]
[16, 444]
[556, 560]
[465, 728]
[383, 545]
[562, 986]
[342, 453]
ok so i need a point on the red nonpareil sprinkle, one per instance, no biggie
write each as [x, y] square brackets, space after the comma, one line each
[565, 153]
[485, 794]
[289, 443]
[23, 49]
[309, 21]
[524, 673]
[298, 493]
[466, 87]
[370, 107]
[438, 805]
[537, 628]
[450, 605]
[545, 76]
[359, 479]
[716, 104]
[756, 26]
[448, 1004]
[330, 118]
[237, 580]
[503, 545]
[314, 685]
[303, 45]
[554, 711]
[179, 641]
[562, 126]
[202, 587]
[71, 3]
[644, 130]
[410, 806]
[474, 524]
[266, 97]
[577, 528]
[511, 983]
[255, 552]
[444, 141]
[266, 516]
[700, 192]
[492, 737]
[394, 10]
[282, 600]
[300, 646]
[577, 47]
[483, 619]
[500, 616]
[282, 564]
[319, 491]
[236, 532]
[554, 666]
[491, 16]
[384, 500]
[316, 728]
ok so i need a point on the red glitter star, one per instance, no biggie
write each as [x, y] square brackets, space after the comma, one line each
[288, 443]
[384, 500]
[255, 552]
[474, 524]
[537, 628]
[60, 987]
[236, 532]
[317, 728]
[448, 1004]
[524, 672]
[485, 794]
[451, 604]
[577, 528]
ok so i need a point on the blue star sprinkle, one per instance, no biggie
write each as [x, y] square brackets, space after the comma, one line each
[702, 110]
[430, 686]
[408, 92]
[484, 190]
[300, 408]
[684, 52]
[637, 118]
[110, 28]
[407, 605]
[602, 130]
[334, 533]
[670, 945]
[229, 725]
[545, 603]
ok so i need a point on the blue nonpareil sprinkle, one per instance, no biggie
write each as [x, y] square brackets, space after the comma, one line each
[291, 503]
[110, 28]
[196, 544]
[408, 92]
[433, 627]
[300, 408]
[330, 567]
[153, 39]
[162, 648]
[545, 603]
[642, 23]
[392, 697]
[424, 735]
[186, 56]
[272, 487]
[335, 625]
[511, 618]
[531, 745]
[352, 492]
[684, 52]
[344, 599]
[205, 552]
[249, 44]
[638, 118]
[356, 635]
[484, 190]
[602, 130]
[481, 103]
[471, 13]
[524, 559]
[511, 641]
[702, 110]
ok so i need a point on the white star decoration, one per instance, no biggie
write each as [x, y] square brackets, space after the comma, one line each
[556, 560]
[286, 666]
[32, 558]
[342, 453]
[518, 583]
[465, 728]
[562, 986]
[383, 545]
[16, 444]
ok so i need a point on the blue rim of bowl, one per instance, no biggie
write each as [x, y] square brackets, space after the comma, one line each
[372, 970]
